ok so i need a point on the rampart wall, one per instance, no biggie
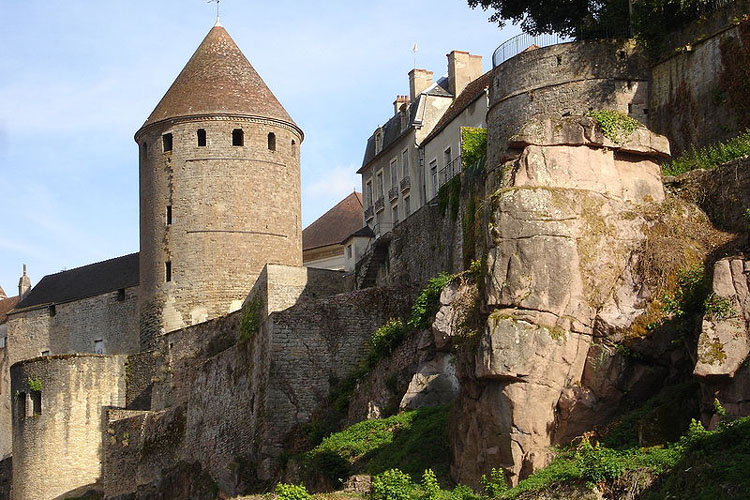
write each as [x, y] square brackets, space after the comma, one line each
[231, 411]
[74, 328]
[565, 79]
[698, 94]
[59, 420]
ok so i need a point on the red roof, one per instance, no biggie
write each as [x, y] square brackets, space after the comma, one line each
[5, 307]
[219, 79]
[335, 225]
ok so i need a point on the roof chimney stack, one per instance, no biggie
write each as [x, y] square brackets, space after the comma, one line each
[400, 101]
[463, 68]
[419, 81]
[24, 284]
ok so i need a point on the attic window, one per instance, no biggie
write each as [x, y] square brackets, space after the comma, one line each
[378, 141]
[168, 271]
[294, 149]
[271, 141]
[121, 295]
[201, 137]
[238, 137]
[166, 142]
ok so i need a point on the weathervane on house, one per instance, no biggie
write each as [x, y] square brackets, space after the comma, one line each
[218, 12]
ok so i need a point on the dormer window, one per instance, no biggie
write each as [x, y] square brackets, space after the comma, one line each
[201, 138]
[166, 142]
[238, 137]
[272, 141]
[378, 141]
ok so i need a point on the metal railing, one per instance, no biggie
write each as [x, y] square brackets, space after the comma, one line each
[393, 193]
[405, 183]
[519, 43]
[448, 172]
[379, 204]
[369, 212]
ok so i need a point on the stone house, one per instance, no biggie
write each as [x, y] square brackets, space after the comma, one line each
[395, 181]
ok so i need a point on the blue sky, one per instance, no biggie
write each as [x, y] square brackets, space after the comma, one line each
[78, 78]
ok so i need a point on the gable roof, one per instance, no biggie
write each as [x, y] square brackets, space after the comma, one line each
[6, 305]
[83, 282]
[218, 79]
[471, 93]
[335, 225]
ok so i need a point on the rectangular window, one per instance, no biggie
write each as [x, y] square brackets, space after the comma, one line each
[394, 173]
[201, 138]
[36, 403]
[52, 310]
[380, 184]
[21, 402]
[394, 211]
[3, 342]
[120, 295]
[404, 163]
[169, 215]
[99, 346]
[349, 252]
[238, 137]
[168, 271]
[368, 194]
[434, 177]
[166, 142]
[407, 206]
[447, 156]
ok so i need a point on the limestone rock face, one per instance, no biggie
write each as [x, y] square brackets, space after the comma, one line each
[565, 231]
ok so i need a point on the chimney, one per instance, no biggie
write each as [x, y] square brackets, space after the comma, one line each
[24, 284]
[419, 81]
[400, 100]
[463, 68]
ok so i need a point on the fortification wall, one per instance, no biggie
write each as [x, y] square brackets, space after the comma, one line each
[74, 328]
[232, 410]
[233, 210]
[565, 79]
[57, 432]
[698, 95]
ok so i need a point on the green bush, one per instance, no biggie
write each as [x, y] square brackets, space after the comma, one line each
[710, 156]
[691, 290]
[430, 486]
[495, 485]
[616, 125]
[473, 147]
[392, 485]
[291, 492]
[599, 464]
[385, 340]
[428, 301]
[34, 383]
[718, 308]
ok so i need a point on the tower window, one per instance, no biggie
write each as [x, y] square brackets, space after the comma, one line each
[272, 142]
[52, 310]
[99, 346]
[294, 148]
[238, 137]
[169, 215]
[36, 402]
[201, 137]
[166, 142]
[168, 271]
[21, 401]
[121, 295]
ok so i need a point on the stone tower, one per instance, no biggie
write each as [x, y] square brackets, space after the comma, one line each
[219, 190]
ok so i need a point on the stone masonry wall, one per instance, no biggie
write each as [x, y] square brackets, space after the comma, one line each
[73, 329]
[234, 209]
[231, 411]
[57, 445]
[565, 79]
[691, 97]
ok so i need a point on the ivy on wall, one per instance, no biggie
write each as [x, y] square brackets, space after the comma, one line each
[473, 146]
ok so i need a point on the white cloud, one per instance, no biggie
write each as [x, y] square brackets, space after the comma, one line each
[323, 191]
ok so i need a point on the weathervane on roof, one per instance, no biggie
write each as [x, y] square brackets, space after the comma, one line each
[218, 7]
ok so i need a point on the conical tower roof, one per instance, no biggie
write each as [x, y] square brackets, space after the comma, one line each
[219, 79]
